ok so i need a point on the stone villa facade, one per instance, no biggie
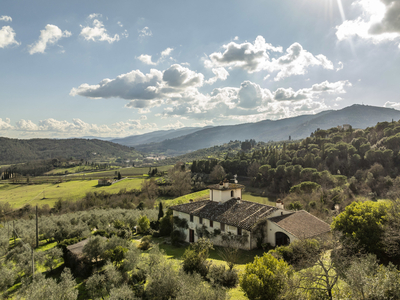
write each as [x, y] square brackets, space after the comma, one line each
[227, 214]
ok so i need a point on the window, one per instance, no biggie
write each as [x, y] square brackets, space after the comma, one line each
[211, 223]
[191, 218]
[200, 220]
[232, 194]
[239, 231]
[222, 226]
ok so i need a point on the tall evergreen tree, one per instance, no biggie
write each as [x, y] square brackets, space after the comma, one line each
[160, 211]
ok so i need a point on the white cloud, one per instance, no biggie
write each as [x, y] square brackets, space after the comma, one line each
[48, 36]
[143, 117]
[166, 52]
[5, 18]
[97, 33]
[248, 56]
[296, 61]
[120, 24]
[145, 32]
[235, 38]
[92, 16]
[175, 83]
[146, 59]
[390, 104]
[5, 125]
[176, 125]
[339, 99]
[378, 22]
[340, 66]
[134, 125]
[220, 73]
[7, 37]
[256, 57]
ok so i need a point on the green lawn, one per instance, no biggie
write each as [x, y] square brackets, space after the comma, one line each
[20, 195]
[204, 194]
[259, 199]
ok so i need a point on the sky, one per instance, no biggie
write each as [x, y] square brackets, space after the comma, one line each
[119, 68]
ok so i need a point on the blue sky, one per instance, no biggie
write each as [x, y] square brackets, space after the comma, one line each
[117, 68]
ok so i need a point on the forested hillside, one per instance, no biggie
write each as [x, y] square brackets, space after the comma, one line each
[358, 116]
[21, 151]
[366, 162]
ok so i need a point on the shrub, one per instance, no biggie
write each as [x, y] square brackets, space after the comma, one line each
[177, 237]
[143, 224]
[145, 243]
[219, 275]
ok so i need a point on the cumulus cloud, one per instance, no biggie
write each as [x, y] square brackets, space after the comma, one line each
[256, 57]
[7, 37]
[94, 15]
[146, 59]
[378, 22]
[252, 101]
[145, 90]
[48, 36]
[176, 125]
[248, 56]
[390, 104]
[296, 61]
[135, 125]
[5, 125]
[5, 18]
[145, 32]
[97, 32]
[166, 52]
[220, 73]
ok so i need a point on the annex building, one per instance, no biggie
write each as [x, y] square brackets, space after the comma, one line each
[229, 214]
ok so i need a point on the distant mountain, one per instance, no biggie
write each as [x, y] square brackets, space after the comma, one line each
[20, 151]
[358, 116]
[156, 136]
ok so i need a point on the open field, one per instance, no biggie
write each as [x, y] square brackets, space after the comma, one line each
[20, 195]
[259, 199]
[125, 172]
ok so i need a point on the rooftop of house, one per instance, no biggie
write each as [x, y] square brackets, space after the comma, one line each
[301, 224]
[239, 213]
[77, 248]
[230, 186]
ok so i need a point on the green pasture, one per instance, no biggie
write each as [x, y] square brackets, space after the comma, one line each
[77, 169]
[196, 196]
[40, 194]
[259, 199]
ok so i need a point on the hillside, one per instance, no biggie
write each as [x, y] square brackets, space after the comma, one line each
[359, 116]
[19, 151]
[155, 136]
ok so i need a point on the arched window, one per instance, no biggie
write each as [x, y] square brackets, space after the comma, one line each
[281, 239]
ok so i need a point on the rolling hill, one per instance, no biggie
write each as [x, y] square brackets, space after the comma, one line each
[358, 116]
[14, 151]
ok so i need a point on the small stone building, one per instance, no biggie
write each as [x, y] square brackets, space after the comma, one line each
[228, 213]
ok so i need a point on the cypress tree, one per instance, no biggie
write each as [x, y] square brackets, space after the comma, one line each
[160, 211]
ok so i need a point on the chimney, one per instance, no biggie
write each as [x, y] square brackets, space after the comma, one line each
[191, 200]
[221, 185]
[226, 183]
[279, 204]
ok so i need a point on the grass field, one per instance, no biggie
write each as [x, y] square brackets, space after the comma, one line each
[125, 172]
[259, 199]
[20, 195]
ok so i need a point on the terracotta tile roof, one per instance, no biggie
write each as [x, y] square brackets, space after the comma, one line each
[77, 248]
[242, 214]
[230, 187]
[301, 224]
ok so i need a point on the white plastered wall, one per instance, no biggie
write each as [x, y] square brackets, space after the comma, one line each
[224, 195]
[272, 228]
